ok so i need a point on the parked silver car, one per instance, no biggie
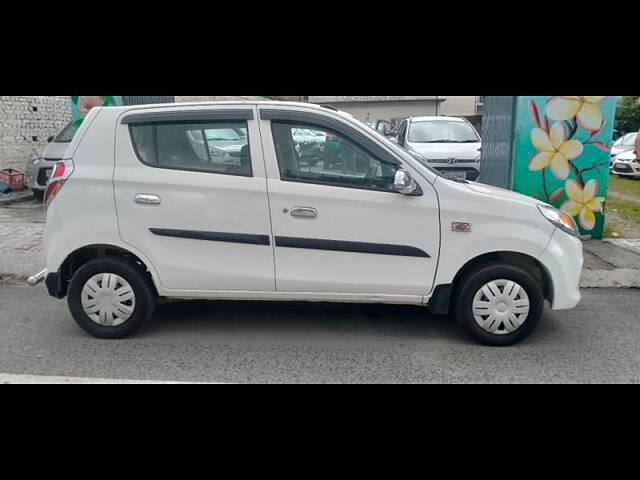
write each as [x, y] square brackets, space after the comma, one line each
[40, 166]
[449, 144]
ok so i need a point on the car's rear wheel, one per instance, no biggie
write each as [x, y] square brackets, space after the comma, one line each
[111, 297]
[499, 304]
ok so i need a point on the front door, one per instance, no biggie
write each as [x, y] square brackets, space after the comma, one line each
[190, 193]
[338, 226]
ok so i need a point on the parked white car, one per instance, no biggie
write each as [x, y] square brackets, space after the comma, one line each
[39, 167]
[134, 213]
[626, 165]
[451, 145]
[623, 144]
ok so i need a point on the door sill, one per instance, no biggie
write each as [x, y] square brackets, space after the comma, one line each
[296, 296]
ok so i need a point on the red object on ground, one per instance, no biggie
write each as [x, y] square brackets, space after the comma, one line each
[13, 178]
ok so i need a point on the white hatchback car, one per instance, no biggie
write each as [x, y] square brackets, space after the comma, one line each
[626, 164]
[137, 210]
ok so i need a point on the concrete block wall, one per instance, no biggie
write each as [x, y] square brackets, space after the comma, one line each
[25, 124]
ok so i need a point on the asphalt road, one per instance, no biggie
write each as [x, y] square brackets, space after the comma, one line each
[271, 342]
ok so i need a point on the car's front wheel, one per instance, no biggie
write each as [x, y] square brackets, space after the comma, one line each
[111, 297]
[499, 304]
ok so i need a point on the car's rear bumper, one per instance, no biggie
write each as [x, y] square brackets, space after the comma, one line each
[563, 260]
[37, 175]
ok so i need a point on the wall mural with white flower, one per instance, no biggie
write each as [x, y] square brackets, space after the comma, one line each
[561, 154]
[80, 106]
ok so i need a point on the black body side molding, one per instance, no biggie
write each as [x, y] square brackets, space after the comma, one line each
[345, 246]
[213, 236]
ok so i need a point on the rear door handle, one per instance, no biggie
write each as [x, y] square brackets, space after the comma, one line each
[147, 199]
[304, 212]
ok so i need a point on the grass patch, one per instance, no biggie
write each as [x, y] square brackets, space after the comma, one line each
[625, 185]
[608, 229]
[627, 210]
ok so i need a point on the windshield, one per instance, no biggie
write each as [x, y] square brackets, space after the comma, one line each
[67, 133]
[442, 131]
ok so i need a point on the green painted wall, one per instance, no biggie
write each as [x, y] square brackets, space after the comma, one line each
[561, 154]
[81, 105]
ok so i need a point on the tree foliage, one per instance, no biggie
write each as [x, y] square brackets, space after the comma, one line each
[628, 115]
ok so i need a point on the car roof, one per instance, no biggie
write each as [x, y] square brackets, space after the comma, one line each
[117, 110]
[269, 103]
[436, 118]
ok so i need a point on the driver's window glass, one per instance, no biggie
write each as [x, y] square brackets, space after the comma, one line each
[329, 158]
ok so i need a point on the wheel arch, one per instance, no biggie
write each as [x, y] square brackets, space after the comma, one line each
[82, 255]
[443, 294]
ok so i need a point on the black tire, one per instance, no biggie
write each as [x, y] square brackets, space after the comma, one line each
[471, 284]
[38, 194]
[145, 297]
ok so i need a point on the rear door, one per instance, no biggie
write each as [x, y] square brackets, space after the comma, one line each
[338, 227]
[191, 195]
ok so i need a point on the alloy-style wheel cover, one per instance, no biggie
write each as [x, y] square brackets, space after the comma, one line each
[500, 306]
[108, 299]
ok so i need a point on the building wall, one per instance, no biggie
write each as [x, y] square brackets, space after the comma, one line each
[373, 111]
[370, 109]
[26, 123]
[459, 106]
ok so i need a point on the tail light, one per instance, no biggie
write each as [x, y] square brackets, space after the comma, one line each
[61, 172]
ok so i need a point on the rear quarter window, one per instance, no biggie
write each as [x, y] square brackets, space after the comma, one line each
[215, 147]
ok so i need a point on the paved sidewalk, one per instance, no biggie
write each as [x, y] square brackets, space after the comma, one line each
[609, 263]
[21, 228]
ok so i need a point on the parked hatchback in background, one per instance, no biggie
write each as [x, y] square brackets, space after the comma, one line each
[626, 164]
[623, 144]
[451, 145]
[39, 167]
[135, 212]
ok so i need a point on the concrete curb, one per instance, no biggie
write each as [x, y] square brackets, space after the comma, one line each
[16, 198]
[616, 278]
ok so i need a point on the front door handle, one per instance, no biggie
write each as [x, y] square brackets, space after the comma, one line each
[304, 212]
[147, 199]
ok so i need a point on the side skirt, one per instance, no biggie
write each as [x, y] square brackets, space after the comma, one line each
[296, 297]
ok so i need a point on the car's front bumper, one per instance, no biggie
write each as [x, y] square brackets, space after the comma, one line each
[471, 169]
[626, 169]
[563, 260]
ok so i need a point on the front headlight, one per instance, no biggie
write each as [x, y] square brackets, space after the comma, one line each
[560, 219]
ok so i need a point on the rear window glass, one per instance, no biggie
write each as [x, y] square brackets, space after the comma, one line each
[217, 147]
[67, 133]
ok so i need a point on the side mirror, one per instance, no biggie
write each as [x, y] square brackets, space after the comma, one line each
[50, 139]
[404, 184]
